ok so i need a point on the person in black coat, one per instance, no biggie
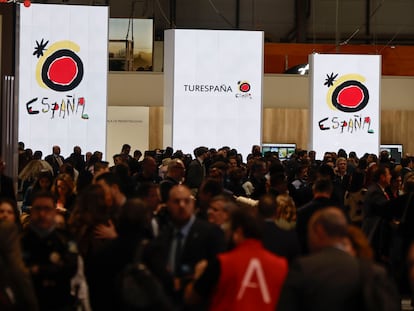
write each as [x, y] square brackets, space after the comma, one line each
[173, 255]
[279, 239]
[175, 175]
[50, 254]
[55, 160]
[322, 191]
[6, 183]
[329, 278]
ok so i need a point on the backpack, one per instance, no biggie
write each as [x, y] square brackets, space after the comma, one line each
[139, 289]
[379, 292]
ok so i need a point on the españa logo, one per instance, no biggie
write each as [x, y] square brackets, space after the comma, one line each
[244, 89]
[347, 93]
[59, 68]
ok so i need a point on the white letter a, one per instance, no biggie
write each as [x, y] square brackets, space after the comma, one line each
[254, 268]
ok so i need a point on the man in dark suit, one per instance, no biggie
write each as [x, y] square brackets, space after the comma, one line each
[55, 160]
[322, 191]
[407, 166]
[6, 183]
[329, 278]
[375, 204]
[175, 175]
[376, 197]
[196, 170]
[173, 255]
[77, 159]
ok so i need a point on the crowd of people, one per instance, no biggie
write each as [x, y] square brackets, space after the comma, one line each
[213, 230]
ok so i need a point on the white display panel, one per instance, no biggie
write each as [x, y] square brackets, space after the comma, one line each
[62, 77]
[127, 125]
[213, 89]
[345, 103]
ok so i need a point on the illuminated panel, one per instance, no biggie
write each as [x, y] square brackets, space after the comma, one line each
[345, 103]
[213, 89]
[62, 77]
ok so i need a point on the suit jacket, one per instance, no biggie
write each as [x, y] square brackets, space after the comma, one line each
[195, 174]
[165, 187]
[7, 188]
[54, 163]
[204, 241]
[323, 281]
[281, 242]
[375, 201]
[304, 214]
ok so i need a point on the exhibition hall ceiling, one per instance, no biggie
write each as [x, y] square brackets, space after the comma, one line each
[305, 21]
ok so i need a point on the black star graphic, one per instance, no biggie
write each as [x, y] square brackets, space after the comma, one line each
[330, 79]
[40, 47]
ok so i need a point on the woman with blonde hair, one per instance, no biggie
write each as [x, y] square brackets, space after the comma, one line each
[285, 212]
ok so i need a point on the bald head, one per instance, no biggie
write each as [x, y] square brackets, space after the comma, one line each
[327, 227]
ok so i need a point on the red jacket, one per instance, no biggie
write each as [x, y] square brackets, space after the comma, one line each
[251, 278]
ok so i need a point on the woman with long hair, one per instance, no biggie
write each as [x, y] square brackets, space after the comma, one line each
[64, 190]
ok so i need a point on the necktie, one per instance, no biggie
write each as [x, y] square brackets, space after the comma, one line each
[177, 255]
[59, 161]
[386, 195]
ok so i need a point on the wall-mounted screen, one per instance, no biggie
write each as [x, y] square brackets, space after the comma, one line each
[395, 151]
[284, 151]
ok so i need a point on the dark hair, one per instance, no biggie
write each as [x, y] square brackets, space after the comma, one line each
[109, 178]
[342, 153]
[267, 206]
[125, 146]
[257, 164]
[211, 186]
[44, 194]
[37, 155]
[135, 218]
[199, 151]
[406, 161]
[357, 180]
[277, 179]
[326, 171]
[241, 218]
[323, 185]
[68, 169]
[381, 170]
[408, 184]
[16, 211]
[90, 207]
[302, 153]
[144, 188]
[352, 155]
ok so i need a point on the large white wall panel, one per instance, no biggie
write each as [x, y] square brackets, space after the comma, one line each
[213, 89]
[62, 76]
[345, 103]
